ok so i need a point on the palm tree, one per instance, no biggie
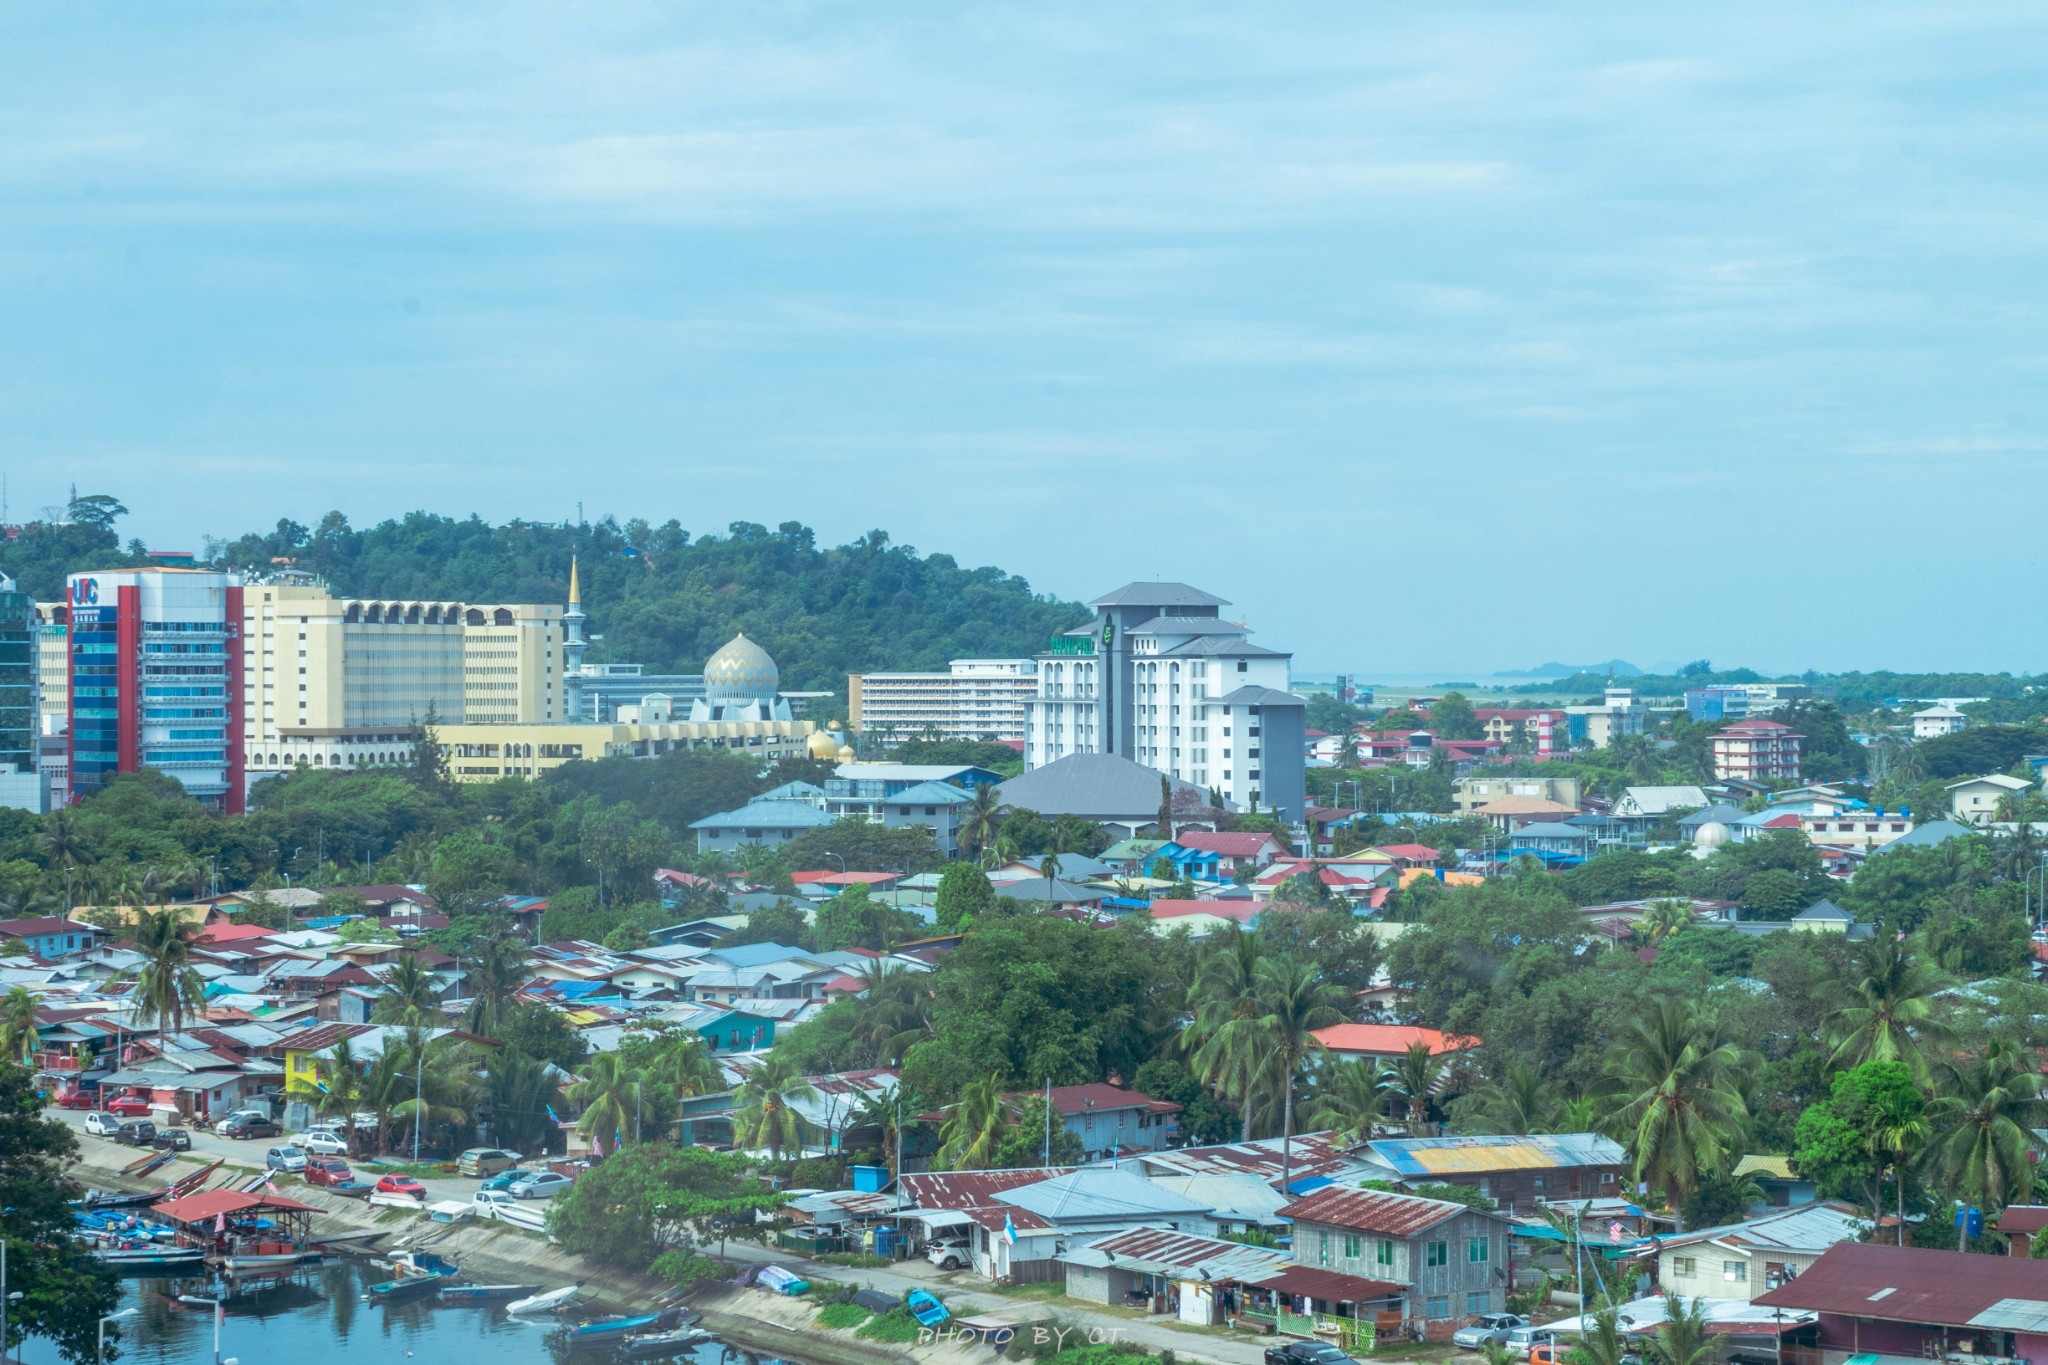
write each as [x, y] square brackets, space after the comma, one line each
[1519, 1101]
[495, 973]
[1416, 1077]
[1984, 1123]
[1001, 849]
[1049, 865]
[610, 1093]
[1349, 1098]
[64, 844]
[979, 819]
[1225, 1052]
[341, 1093]
[1680, 1109]
[1294, 1001]
[410, 994]
[1891, 1010]
[1682, 1338]
[895, 1009]
[519, 1090]
[764, 1107]
[18, 1036]
[1603, 1342]
[166, 984]
[441, 1077]
[971, 1133]
[1663, 919]
[684, 1066]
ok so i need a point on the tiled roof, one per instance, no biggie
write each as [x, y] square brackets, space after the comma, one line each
[1226, 845]
[1395, 1215]
[1389, 1040]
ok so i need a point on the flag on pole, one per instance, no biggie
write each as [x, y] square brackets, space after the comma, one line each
[1614, 1231]
[220, 1224]
[551, 1114]
[1009, 1230]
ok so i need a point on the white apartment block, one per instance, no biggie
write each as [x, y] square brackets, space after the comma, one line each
[973, 699]
[1160, 678]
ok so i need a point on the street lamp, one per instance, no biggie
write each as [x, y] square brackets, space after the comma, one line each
[218, 1309]
[104, 1320]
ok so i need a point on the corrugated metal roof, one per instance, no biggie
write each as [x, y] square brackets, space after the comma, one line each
[1396, 1215]
[969, 1189]
[1464, 1155]
[1804, 1227]
[1098, 1192]
[1330, 1285]
[1313, 1154]
[1907, 1284]
[1157, 1251]
[2015, 1315]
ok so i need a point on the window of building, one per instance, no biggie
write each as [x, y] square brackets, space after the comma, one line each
[1436, 1306]
[1683, 1267]
[1383, 1254]
[1735, 1272]
[1438, 1253]
[1322, 1248]
[1479, 1302]
[1477, 1250]
[1353, 1245]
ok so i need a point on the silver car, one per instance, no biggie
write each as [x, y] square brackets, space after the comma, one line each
[1487, 1327]
[541, 1185]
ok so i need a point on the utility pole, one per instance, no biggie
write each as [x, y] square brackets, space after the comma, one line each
[419, 1097]
[1047, 1162]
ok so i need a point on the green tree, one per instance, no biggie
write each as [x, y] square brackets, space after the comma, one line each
[18, 1035]
[978, 822]
[1683, 1338]
[1452, 717]
[611, 1093]
[496, 970]
[1294, 1002]
[1519, 1100]
[1985, 1126]
[1416, 1079]
[167, 984]
[656, 1198]
[410, 994]
[542, 1034]
[1891, 1011]
[63, 1290]
[765, 1113]
[972, 1134]
[1350, 1099]
[964, 896]
[1673, 1078]
[1224, 1047]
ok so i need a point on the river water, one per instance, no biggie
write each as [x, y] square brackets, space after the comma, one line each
[318, 1314]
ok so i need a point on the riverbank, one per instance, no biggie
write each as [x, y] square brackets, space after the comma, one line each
[494, 1252]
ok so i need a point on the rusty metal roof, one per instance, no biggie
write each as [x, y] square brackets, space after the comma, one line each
[1158, 1251]
[970, 1189]
[1396, 1215]
[1314, 1154]
[1907, 1284]
[1330, 1285]
[1481, 1154]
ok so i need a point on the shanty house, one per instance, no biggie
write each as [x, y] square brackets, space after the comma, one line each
[1514, 1171]
[1434, 1262]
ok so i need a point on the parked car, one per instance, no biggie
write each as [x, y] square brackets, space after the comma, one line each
[948, 1255]
[488, 1202]
[327, 1170]
[505, 1180]
[1522, 1340]
[129, 1107]
[102, 1124]
[288, 1159]
[1307, 1353]
[485, 1161]
[1487, 1327]
[79, 1099]
[172, 1140]
[541, 1185]
[136, 1133]
[401, 1184]
[321, 1142]
[248, 1125]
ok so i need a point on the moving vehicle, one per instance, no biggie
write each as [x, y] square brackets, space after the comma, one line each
[321, 1142]
[1307, 1353]
[102, 1124]
[288, 1159]
[136, 1133]
[327, 1170]
[1487, 1327]
[545, 1303]
[541, 1185]
[248, 1125]
[505, 1180]
[948, 1255]
[129, 1107]
[402, 1184]
[485, 1161]
[172, 1140]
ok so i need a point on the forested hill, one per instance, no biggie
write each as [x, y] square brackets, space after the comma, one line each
[658, 595]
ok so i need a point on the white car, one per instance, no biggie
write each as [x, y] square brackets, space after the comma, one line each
[948, 1255]
[541, 1185]
[321, 1142]
[488, 1202]
[102, 1124]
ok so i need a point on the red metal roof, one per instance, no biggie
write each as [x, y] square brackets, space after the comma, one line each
[1241, 911]
[1907, 1284]
[232, 933]
[2027, 1218]
[970, 1189]
[1414, 853]
[1330, 1285]
[1396, 1215]
[1227, 845]
[213, 1203]
[991, 1217]
[1099, 1098]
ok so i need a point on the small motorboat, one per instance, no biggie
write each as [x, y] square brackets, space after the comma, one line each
[545, 1303]
[393, 1291]
[423, 1265]
[607, 1331]
[147, 1255]
[254, 1262]
[926, 1309]
[99, 1199]
[655, 1345]
[486, 1293]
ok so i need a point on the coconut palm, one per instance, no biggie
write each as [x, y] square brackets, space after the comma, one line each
[1603, 1342]
[519, 1091]
[684, 1066]
[1683, 1338]
[1984, 1126]
[1665, 919]
[1294, 1001]
[1891, 1009]
[166, 983]
[497, 970]
[1417, 1077]
[410, 994]
[442, 1083]
[971, 1133]
[1673, 1076]
[340, 1091]
[1349, 1098]
[764, 1107]
[1520, 1100]
[610, 1093]
[18, 1036]
[64, 845]
[895, 1011]
[1224, 1049]
[979, 819]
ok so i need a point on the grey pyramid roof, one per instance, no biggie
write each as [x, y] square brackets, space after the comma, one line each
[1822, 909]
[1095, 786]
[1927, 836]
[1262, 696]
[1159, 595]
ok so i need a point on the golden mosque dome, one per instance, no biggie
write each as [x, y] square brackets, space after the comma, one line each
[740, 672]
[824, 745]
[846, 753]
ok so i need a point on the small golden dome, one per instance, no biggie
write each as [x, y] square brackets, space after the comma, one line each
[846, 753]
[823, 745]
[833, 725]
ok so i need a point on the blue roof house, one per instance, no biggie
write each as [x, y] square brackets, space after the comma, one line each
[772, 823]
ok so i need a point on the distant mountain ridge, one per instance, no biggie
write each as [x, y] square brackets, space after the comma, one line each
[1621, 668]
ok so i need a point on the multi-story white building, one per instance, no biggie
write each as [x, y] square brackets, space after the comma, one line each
[1160, 678]
[973, 699]
[1938, 720]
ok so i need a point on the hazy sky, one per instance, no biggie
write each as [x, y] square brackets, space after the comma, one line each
[1435, 337]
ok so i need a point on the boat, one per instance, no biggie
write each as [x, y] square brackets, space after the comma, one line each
[99, 1199]
[545, 1303]
[423, 1265]
[147, 1255]
[486, 1293]
[654, 1345]
[927, 1310]
[391, 1291]
[610, 1330]
[240, 1264]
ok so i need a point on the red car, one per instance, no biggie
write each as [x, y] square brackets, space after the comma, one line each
[78, 1099]
[401, 1184]
[327, 1170]
[130, 1107]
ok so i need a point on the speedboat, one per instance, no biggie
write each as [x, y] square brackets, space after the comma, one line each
[485, 1293]
[654, 1345]
[147, 1255]
[241, 1264]
[545, 1303]
[423, 1265]
[609, 1330]
[411, 1286]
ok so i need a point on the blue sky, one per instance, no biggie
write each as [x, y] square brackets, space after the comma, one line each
[1434, 337]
